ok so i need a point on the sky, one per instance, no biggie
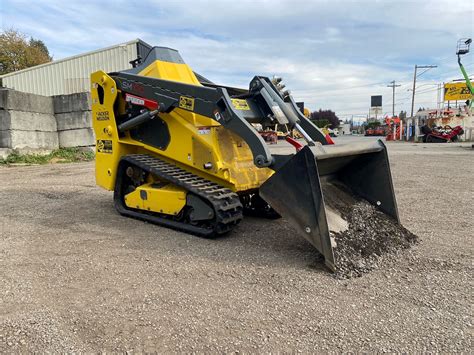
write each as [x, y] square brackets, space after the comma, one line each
[331, 54]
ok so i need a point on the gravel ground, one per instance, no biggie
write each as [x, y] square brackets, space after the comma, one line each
[76, 276]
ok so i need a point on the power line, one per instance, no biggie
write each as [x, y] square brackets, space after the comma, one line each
[403, 98]
[442, 74]
[393, 86]
[427, 67]
[457, 70]
[343, 89]
[424, 71]
[444, 59]
[427, 90]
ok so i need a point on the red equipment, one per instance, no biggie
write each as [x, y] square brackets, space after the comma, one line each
[378, 131]
[270, 137]
[395, 128]
[329, 139]
[298, 146]
[441, 134]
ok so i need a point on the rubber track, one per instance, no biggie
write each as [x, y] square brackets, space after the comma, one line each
[226, 204]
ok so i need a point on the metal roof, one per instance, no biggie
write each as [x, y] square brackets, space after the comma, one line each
[70, 75]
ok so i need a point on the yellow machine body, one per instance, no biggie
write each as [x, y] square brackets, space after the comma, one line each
[161, 198]
[195, 140]
[170, 71]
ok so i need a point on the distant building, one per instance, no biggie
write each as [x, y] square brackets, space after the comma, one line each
[71, 75]
[345, 128]
[422, 116]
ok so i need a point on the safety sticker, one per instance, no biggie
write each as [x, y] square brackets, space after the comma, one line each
[217, 115]
[141, 101]
[104, 146]
[240, 104]
[186, 102]
[204, 130]
[134, 100]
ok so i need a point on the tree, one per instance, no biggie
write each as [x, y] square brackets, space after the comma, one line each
[39, 44]
[327, 115]
[17, 53]
[373, 124]
[321, 123]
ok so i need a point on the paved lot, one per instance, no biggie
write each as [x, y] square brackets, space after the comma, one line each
[75, 276]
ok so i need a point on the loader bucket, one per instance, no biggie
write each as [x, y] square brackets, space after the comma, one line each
[297, 190]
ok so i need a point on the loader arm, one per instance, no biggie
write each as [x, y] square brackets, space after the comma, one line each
[263, 103]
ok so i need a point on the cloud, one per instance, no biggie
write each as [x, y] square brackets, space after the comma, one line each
[331, 54]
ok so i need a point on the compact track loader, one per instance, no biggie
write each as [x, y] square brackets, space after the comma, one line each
[180, 151]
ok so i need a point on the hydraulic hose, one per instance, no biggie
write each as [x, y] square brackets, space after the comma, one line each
[137, 120]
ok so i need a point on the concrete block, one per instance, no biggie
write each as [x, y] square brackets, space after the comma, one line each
[3, 98]
[16, 139]
[4, 153]
[22, 101]
[5, 139]
[27, 121]
[74, 102]
[74, 120]
[82, 137]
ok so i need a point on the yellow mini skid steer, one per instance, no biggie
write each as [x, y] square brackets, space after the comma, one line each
[180, 151]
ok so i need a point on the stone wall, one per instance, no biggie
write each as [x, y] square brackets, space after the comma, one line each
[27, 121]
[74, 120]
[31, 122]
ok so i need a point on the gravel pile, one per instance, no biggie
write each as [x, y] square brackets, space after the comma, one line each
[372, 238]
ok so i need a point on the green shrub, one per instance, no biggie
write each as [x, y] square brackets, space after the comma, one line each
[62, 155]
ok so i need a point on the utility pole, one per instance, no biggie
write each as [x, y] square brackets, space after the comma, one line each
[393, 86]
[427, 67]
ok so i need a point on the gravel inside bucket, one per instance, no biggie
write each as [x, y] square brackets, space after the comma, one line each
[372, 238]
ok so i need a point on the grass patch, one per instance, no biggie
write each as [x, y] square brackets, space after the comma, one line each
[62, 155]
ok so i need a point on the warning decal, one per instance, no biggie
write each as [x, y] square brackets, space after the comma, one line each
[186, 102]
[240, 104]
[104, 146]
[204, 130]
